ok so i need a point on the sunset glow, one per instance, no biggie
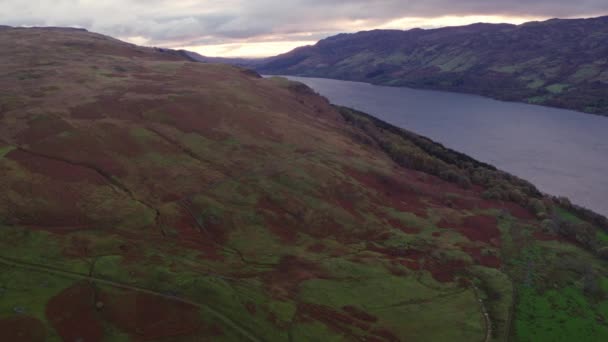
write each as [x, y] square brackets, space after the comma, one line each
[255, 49]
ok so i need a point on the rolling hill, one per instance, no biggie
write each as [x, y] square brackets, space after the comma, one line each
[560, 63]
[147, 197]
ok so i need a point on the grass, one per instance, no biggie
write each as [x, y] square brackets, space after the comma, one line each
[567, 216]
[368, 293]
[559, 315]
[257, 243]
[585, 72]
[5, 150]
[557, 88]
[456, 63]
[507, 69]
[111, 267]
[143, 134]
[38, 247]
[310, 331]
[550, 303]
[602, 236]
[337, 183]
[28, 292]
[403, 302]
[453, 318]
[536, 83]
[498, 297]
[538, 99]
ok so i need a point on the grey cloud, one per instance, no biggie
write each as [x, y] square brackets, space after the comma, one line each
[188, 22]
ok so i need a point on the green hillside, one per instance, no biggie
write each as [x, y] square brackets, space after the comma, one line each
[144, 197]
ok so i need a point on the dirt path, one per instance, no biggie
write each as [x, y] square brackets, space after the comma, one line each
[484, 313]
[73, 275]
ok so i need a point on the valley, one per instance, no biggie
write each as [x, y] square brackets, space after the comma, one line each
[147, 197]
[558, 63]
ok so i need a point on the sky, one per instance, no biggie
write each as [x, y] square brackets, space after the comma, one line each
[258, 28]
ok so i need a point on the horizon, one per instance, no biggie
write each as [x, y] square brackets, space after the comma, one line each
[289, 46]
[286, 46]
[242, 29]
[261, 50]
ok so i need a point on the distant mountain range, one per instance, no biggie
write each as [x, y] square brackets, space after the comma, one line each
[243, 62]
[560, 63]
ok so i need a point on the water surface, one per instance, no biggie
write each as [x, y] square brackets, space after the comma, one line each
[562, 152]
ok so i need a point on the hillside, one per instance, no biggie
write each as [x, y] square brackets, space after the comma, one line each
[146, 197]
[560, 63]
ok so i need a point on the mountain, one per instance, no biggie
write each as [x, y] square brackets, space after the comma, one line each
[147, 197]
[242, 62]
[560, 63]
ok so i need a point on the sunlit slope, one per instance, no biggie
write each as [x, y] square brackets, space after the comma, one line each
[145, 197]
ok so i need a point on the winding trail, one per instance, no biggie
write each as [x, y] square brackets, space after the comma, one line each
[247, 335]
[484, 313]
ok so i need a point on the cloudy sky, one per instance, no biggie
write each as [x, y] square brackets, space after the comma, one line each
[265, 27]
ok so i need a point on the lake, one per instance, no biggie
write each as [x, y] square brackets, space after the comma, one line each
[562, 152]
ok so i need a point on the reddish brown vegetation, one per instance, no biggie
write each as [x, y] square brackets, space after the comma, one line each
[360, 314]
[284, 280]
[78, 248]
[463, 203]
[544, 236]
[72, 314]
[411, 264]
[90, 151]
[317, 248]
[442, 270]
[251, 307]
[63, 212]
[148, 317]
[446, 270]
[476, 228]
[518, 211]
[189, 114]
[22, 329]
[394, 192]
[277, 221]
[346, 323]
[193, 236]
[483, 259]
[335, 320]
[344, 195]
[399, 225]
[385, 335]
[55, 170]
[42, 128]
[395, 252]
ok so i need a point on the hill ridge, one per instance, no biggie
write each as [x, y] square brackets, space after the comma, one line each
[170, 199]
[558, 62]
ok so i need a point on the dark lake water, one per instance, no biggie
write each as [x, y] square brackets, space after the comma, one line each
[562, 152]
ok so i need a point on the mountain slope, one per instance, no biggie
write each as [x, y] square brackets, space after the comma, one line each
[147, 197]
[559, 63]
